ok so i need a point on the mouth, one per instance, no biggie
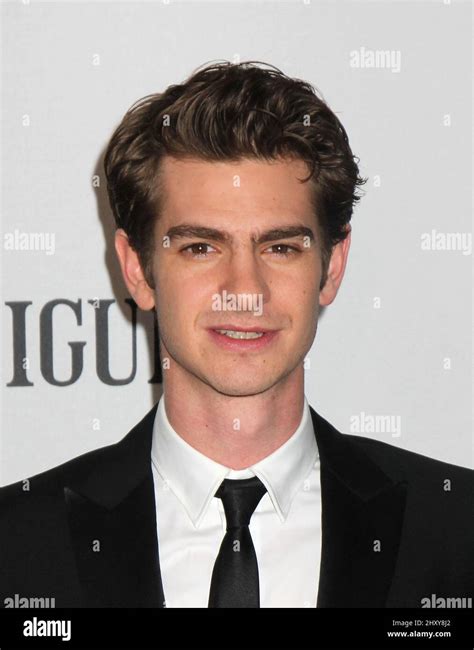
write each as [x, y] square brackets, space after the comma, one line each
[234, 337]
[237, 334]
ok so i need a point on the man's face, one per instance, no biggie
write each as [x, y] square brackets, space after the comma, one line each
[238, 274]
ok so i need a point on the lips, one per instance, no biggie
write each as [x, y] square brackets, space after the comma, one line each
[241, 328]
[233, 337]
[233, 334]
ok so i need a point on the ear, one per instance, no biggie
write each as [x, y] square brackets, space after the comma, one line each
[337, 266]
[132, 272]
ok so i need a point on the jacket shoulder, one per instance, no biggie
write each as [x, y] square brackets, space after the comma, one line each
[444, 488]
[391, 455]
[51, 480]
[423, 473]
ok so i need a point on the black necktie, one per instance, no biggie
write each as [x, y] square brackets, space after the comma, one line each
[234, 580]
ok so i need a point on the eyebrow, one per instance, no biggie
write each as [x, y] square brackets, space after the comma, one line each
[189, 230]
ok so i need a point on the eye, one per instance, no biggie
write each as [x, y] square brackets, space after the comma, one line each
[196, 250]
[287, 250]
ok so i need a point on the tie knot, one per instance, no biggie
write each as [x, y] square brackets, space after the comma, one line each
[240, 498]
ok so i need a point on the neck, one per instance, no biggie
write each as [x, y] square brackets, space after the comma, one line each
[234, 431]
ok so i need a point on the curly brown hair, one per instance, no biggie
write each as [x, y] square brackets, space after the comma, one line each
[228, 112]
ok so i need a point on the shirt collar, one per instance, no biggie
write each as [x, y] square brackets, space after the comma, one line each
[194, 478]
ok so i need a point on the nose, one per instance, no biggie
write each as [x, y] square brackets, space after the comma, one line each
[244, 274]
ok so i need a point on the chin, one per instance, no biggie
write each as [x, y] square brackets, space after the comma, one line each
[238, 391]
[241, 387]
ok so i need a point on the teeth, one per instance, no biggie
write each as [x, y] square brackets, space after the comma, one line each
[240, 335]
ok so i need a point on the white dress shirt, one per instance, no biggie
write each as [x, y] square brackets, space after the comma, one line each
[285, 526]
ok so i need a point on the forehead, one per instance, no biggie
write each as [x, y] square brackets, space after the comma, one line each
[251, 187]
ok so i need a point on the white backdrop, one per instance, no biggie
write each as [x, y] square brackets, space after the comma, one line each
[398, 340]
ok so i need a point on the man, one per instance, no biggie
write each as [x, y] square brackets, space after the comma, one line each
[233, 195]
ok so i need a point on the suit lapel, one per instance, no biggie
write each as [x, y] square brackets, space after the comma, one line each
[112, 523]
[362, 516]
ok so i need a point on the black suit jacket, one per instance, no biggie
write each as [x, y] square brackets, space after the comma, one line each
[393, 532]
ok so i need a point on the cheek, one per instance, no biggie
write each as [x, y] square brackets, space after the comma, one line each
[182, 301]
[305, 308]
[301, 294]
